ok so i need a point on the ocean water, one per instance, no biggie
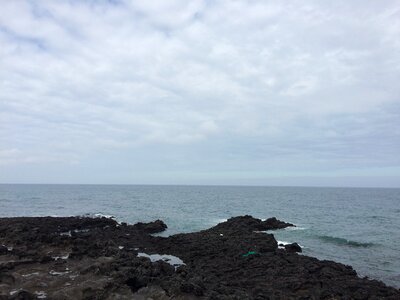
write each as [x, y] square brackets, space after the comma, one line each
[355, 226]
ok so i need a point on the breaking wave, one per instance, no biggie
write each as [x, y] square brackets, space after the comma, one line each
[344, 242]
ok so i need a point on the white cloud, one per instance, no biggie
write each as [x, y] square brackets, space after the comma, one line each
[80, 78]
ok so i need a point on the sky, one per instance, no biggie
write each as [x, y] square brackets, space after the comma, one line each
[200, 92]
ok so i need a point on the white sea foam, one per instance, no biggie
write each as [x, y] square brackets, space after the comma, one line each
[284, 243]
[217, 221]
[281, 244]
[170, 259]
[100, 215]
[291, 228]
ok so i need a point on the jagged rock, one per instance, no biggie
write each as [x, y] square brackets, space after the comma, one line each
[248, 224]
[3, 250]
[96, 258]
[274, 223]
[152, 227]
[23, 295]
[293, 247]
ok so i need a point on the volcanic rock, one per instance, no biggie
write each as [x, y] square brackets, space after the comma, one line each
[97, 258]
[293, 247]
[152, 227]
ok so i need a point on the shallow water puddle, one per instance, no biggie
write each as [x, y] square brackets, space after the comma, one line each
[170, 259]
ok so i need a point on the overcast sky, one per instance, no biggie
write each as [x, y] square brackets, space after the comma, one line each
[200, 92]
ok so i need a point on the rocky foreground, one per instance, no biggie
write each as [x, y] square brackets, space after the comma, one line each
[97, 258]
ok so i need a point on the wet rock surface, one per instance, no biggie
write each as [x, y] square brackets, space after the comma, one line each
[293, 247]
[97, 258]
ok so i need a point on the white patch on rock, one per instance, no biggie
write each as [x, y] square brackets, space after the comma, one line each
[170, 259]
[60, 257]
[30, 274]
[41, 295]
[13, 292]
[55, 273]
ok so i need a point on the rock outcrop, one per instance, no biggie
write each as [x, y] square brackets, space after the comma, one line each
[97, 258]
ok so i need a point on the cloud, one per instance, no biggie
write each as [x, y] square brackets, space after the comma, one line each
[280, 86]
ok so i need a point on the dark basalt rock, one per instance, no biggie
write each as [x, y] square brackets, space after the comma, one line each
[152, 227]
[23, 295]
[85, 258]
[273, 223]
[294, 247]
[247, 223]
[3, 250]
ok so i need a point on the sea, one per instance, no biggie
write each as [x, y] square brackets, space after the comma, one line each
[355, 226]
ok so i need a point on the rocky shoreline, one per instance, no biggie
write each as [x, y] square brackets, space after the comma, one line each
[98, 258]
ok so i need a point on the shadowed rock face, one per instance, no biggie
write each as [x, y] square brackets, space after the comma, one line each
[247, 224]
[293, 247]
[152, 227]
[86, 258]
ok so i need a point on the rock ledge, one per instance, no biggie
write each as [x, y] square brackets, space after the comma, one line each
[97, 258]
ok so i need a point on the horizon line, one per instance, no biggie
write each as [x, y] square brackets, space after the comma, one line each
[205, 185]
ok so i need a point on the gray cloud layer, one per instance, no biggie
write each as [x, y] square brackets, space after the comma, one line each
[251, 92]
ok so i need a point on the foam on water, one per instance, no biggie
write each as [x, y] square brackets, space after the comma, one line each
[291, 228]
[283, 243]
[214, 222]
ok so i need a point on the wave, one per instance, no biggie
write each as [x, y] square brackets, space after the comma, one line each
[217, 221]
[290, 228]
[101, 215]
[283, 243]
[377, 217]
[344, 242]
